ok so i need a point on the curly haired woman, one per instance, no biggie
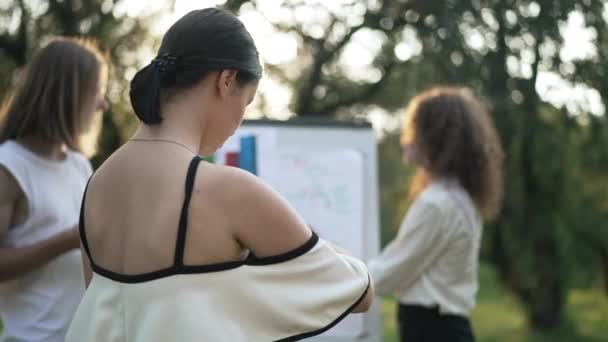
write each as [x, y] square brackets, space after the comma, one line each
[431, 266]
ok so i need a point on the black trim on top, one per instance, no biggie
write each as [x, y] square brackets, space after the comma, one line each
[200, 269]
[330, 325]
[182, 228]
[311, 121]
[166, 272]
[81, 230]
[252, 260]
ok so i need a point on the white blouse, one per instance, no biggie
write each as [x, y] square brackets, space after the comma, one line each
[433, 261]
[289, 297]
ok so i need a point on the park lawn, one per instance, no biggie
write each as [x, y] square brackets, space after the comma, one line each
[499, 317]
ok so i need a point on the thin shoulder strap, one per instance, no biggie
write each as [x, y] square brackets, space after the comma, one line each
[83, 234]
[183, 219]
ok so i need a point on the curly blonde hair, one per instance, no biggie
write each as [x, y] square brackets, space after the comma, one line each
[454, 133]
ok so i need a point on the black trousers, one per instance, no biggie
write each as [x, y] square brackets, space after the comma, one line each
[424, 324]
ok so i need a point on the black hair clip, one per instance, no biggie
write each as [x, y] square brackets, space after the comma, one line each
[165, 62]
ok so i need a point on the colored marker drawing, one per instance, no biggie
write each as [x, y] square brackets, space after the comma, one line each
[326, 188]
[318, 184]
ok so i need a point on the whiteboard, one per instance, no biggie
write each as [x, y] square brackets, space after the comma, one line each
[326, 188]
[327, 170]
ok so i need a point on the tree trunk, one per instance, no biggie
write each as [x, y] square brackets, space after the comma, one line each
[545, 306]
[604, 267]
[546, 303]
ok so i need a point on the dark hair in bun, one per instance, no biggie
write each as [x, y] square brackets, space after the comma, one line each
[200, 42]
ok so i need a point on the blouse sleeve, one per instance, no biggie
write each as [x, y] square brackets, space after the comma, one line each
[305, 292]
[418, 243]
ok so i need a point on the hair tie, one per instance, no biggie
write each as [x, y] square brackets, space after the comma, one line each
[166, 63]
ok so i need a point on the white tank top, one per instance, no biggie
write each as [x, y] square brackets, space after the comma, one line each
[39, 306]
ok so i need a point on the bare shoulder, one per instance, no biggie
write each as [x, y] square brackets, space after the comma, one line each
[226, 182]
[263, 220]
[221, 178]
[234, 187]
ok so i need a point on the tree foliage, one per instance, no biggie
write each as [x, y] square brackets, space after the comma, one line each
[550, 235]
[549, 230]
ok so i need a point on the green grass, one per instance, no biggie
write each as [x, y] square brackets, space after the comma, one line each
[499, 316]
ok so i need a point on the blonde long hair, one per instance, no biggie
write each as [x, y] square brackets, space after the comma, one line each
[52, 92]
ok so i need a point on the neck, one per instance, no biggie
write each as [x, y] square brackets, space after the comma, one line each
[178, 125]
[434, 178]
[43, 147]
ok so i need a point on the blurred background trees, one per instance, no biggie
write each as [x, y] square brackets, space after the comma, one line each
[364, 59]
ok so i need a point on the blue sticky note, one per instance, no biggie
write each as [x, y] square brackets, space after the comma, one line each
[247, 155]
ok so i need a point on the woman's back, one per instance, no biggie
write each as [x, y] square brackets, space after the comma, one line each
[141, 291]
[133, 209]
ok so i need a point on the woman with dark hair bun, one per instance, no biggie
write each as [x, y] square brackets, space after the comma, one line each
[178, 249]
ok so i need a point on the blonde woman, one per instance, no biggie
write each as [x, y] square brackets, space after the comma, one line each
[42, 177]
[431, 266]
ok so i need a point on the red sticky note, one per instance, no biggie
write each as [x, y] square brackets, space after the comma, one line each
[232, 158]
